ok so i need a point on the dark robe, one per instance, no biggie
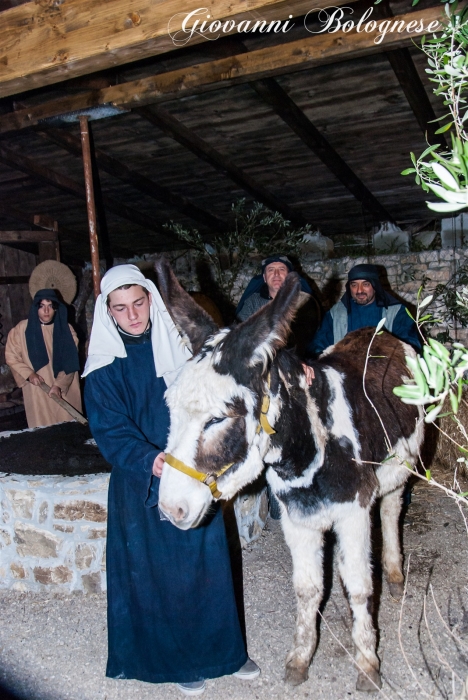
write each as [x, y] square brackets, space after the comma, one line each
[360, 316]
[172, 615]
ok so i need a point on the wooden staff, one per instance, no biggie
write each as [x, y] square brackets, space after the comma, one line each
[65, 405]
[90, 205]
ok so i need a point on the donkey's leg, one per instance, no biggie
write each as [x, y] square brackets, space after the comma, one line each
[306, 550]
[353, 534]
[390, 509]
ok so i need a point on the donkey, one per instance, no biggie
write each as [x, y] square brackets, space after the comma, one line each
[242, 402]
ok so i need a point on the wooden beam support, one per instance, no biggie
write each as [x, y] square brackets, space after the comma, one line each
[17, 161]
[411, 84]
[131, 177]
[15, 279]
[274, 95]
[42, 43]
[290, 57]
[49, 250]
[27, 236]
[187, 138]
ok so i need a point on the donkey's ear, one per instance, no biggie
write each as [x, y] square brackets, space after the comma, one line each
[256, 340]
[192, 322]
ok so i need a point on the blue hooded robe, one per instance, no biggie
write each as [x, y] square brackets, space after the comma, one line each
[172, 615]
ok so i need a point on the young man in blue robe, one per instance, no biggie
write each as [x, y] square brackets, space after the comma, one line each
[161, 581]
[364, 303]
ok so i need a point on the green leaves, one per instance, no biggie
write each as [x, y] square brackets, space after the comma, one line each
[446, 174]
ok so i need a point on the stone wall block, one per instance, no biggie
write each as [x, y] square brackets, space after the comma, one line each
[18, 570]
[80, 510]
[439, 276]
[33, 542]
[54, 575]
[5, 538]
[63, 528]
[85, 554]
[43, 512]
[92, 582]
[5, 509]
[97, 533]
[22, 502]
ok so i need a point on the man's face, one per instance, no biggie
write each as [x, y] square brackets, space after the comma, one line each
[362, 292]
[131, 309]
[274, 275]
[45, 311]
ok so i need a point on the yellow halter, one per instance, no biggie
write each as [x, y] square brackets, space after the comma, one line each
[210, 479]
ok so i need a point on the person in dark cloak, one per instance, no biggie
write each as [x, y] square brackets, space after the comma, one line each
[263, 288]
[43, 350]
[259, 292]
[172, 616]
[364, 303]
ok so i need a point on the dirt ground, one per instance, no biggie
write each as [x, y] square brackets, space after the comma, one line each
[54, 648]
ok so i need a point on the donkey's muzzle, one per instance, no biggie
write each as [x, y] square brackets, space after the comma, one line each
[176, 514]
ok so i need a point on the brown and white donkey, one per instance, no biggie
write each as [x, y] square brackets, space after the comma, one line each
[242, 404]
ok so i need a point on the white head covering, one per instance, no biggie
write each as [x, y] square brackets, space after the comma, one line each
[170, 352]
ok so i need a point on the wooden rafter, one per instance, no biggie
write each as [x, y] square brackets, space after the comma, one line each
[291, 57]
[17, 161]
[411, 84]
[274, 95]
[27, 236]
[45, 43]
[134, 179]
[44, 221]
[171, 126]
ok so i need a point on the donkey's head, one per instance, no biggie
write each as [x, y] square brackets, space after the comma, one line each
[219, 429]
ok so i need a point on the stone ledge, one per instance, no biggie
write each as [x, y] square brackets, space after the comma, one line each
[46, 528]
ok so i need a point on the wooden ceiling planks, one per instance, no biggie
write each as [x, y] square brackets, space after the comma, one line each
[358, 105]
[292, 56]
[45, 43]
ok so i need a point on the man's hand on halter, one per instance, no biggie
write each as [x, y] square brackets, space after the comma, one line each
[158, 464]
[36, 379]
[309, 373]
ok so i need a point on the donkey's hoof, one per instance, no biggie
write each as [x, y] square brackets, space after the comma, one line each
[396, 590]
[295, 676]
[369, 682]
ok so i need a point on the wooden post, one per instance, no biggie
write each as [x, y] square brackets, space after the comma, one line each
[88, 174]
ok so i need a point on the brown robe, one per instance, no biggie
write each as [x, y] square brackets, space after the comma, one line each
[40, 409]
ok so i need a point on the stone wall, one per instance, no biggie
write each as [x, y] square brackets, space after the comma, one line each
[52, 532]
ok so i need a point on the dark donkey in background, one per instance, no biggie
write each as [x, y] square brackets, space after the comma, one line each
[324, 458]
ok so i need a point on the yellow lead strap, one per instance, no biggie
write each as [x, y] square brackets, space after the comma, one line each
[210, 479]
[207, 479]
[264, 424]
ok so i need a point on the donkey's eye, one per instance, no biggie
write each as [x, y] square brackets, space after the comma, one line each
[213, 421]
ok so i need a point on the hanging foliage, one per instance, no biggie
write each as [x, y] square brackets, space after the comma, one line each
[254, 232]
[445, 174]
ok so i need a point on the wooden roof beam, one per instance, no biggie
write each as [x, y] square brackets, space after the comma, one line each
[411, 84]
[273, 94]
[42, 43]
[140, 182]
[17, 161]
[44, 221]
[171, 126]
[290, 57]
